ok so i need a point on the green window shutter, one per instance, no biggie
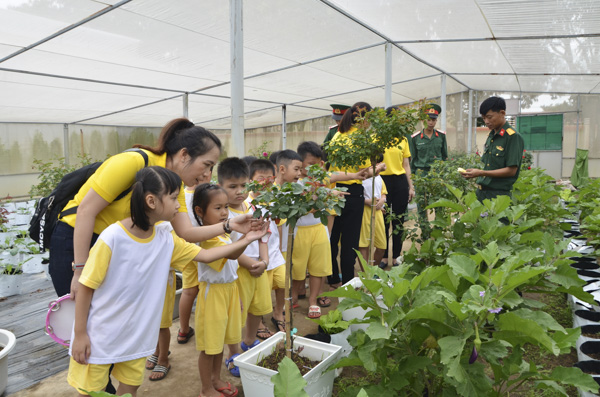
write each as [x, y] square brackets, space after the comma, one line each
[543, 132]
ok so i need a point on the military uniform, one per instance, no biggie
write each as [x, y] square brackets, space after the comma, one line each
[332, 130]
[503, 148]
[337, 114]
[426, 150]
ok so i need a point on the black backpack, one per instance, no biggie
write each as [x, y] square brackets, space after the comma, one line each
[49, 209]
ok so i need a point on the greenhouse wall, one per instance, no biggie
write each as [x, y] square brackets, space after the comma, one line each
[22, 143]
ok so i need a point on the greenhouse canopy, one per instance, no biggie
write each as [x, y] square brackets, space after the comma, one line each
[132, 62]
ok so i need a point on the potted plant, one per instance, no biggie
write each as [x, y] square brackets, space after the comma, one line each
[7, 344]
[22, 216]
[291, 201]
[11, 280]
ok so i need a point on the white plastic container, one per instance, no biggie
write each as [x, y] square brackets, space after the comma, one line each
[10, 284]
[7, 342]
[357, 312]
[257, 380]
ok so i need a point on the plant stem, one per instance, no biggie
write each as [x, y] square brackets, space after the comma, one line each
[289, 345]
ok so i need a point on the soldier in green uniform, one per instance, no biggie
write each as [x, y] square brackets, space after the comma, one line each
[338, 112]
[426, 146]
[502, 154]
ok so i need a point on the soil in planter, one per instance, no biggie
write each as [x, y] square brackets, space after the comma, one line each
[593, 336]
[272, 361]
[12, 271]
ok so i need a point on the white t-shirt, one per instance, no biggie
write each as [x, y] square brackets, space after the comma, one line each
[189, 198]
[252, 248]
[276, 259]
[221, 271]
[129, 277]
[368, 187]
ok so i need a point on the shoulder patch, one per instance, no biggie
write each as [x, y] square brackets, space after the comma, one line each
[415, 134]
[333, 126]
[441, 132]
[510, 131]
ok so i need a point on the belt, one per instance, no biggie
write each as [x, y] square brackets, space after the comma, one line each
[480, 187]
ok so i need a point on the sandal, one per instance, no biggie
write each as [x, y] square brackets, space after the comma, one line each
[280, 325]
[314, 312]
[162, 369]
[153, 359]
[246, 347]
[231, 367]
[231, 390]
[185, 338]
[324, 301]
[261, 332]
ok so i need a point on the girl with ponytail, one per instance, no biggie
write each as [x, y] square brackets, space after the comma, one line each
[121, 288]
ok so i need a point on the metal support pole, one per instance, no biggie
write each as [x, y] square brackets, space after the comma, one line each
[577, 129]
[443, 102]
[283, 127]
[185, 105]
[237, 77]
[66, 143]
[470, 123]
[388, 75]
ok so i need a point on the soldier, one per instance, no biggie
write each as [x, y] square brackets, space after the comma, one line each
[338, 112]
[426, 146]
[502, 155]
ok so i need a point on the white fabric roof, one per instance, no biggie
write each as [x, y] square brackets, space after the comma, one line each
[132, 64]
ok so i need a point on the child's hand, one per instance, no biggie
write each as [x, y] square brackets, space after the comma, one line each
[81, 348]
[245, 223]
[258, 269]
[254, 235]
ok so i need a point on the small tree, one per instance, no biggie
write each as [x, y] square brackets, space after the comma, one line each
[291, 201]
[377, 132]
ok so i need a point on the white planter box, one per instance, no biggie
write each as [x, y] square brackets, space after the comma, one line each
[257, 380]
[34, 265]
[7, 342]
[357, 312]
[10, 284]
[22, 219]
[585, 317]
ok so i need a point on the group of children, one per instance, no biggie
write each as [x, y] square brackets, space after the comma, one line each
[231, 276]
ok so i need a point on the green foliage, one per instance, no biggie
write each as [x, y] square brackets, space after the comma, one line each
[103, 394]
[588, 199]
[261, 151]
[51, 172]
[377, 132]
[288, 381]
[527, 161]
[291, 201]
[460, 327]
[332, 322]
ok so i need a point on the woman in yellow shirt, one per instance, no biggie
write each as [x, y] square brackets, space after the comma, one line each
[400, 192]
[346, 228]
[188, 150]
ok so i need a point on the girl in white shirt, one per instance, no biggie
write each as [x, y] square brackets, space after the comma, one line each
[118, 309]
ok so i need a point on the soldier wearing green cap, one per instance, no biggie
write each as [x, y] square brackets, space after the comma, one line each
[427, 146]
[502, 154]
[338, 112]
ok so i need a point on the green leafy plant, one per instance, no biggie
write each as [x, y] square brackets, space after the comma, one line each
[261, 151]
[460, 328]
[288, 381]
[102, 393]
[51, 172]
[3, 219]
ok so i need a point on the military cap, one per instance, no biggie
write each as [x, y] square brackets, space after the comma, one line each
[338, 111]
[433, 110]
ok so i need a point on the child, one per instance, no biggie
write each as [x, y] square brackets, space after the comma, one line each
[379, 226]
[117, 310]
[253, 283]
[289, 169]
[218, 312]
[260, 170]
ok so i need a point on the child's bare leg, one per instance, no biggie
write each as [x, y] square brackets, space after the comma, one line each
[252, 324]
[205, 367]
[279, 303]
[162, 351]
[315, 284]
[330, 220]
[124, 389]
[378, 255]
[296, 287]
[186, 302]
[216, 380]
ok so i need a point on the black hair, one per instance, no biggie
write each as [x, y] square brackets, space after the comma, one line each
[273, 157]
[155, 180]
[183, 134]
[285, 157]
[261, 165]
[202, 197]
[493, 103]
[388, 110]
[232, 168]
[249, 159]
[357, 110]
[309, 147]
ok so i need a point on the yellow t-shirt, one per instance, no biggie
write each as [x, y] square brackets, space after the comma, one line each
[114, 176]
[345, 136]
[393, 158]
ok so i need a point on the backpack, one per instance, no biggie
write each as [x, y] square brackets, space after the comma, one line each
[49, 209]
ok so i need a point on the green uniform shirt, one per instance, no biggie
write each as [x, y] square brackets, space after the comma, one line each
[426, 150]
[503, 148]
[331, 133]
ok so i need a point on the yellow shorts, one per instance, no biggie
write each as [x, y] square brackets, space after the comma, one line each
[94, 377]
[255, 293]
[311, 251]
[277, 277]
[189, 275]
[218, 317]
[167, 314]
[365, 229]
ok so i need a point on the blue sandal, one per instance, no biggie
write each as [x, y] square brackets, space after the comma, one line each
[233, 369]
[245, 347]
